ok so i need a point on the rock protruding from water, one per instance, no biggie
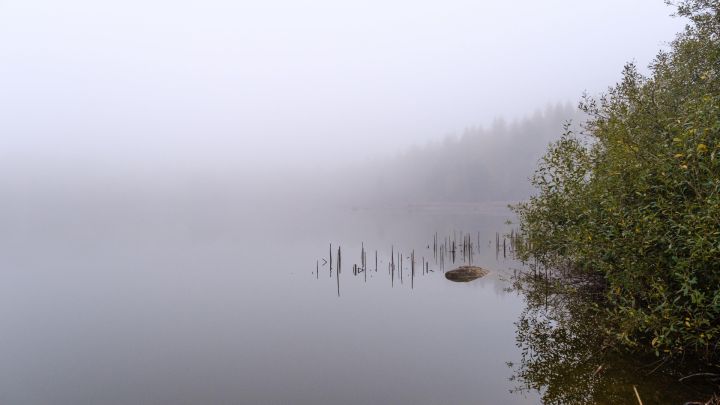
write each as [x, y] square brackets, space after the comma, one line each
[464, 274]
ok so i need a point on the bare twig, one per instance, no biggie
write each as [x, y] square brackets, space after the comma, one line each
[637, 395]
[699, 375]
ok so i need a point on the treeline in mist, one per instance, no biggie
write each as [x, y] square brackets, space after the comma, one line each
[482, 164]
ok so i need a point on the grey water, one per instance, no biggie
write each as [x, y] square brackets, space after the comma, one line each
[162, 302]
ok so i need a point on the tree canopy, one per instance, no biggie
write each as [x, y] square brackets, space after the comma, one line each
[634, 198]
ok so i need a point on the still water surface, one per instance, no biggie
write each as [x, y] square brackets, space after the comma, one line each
[189, 307]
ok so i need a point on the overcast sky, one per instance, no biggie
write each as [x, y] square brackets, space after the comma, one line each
[285, 83]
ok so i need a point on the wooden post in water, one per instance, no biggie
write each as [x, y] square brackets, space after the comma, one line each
[337, 272]
[454, 250]
[469, 250]
[468, 247]
[442, 259]
[362, 254]
[392, 257]
[400, 257]
[412, 270]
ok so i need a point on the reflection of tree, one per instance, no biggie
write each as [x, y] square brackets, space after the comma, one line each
[564, 358]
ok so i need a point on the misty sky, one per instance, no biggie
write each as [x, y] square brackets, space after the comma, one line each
[283, 83]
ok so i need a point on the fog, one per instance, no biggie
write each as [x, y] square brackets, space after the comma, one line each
[172, 174]
[182, 87]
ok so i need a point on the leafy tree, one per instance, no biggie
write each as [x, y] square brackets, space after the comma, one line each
[635, 197]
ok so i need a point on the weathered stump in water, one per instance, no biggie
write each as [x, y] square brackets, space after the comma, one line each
[465, 273]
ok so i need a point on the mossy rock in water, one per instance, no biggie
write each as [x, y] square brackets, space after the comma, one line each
[465, 273]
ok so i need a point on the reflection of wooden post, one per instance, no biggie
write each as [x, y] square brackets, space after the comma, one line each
[389, 272]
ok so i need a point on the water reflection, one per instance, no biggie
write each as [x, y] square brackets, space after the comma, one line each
[566, 359]
[452, 250]
[563, 357]
[211, 306]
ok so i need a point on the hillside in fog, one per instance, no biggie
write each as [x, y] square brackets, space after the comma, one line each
[481, 164]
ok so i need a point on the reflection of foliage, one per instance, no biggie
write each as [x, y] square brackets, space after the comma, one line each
[551, 362]
[568, 359]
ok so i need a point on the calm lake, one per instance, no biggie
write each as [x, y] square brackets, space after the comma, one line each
[192, 302]
[144, 303]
